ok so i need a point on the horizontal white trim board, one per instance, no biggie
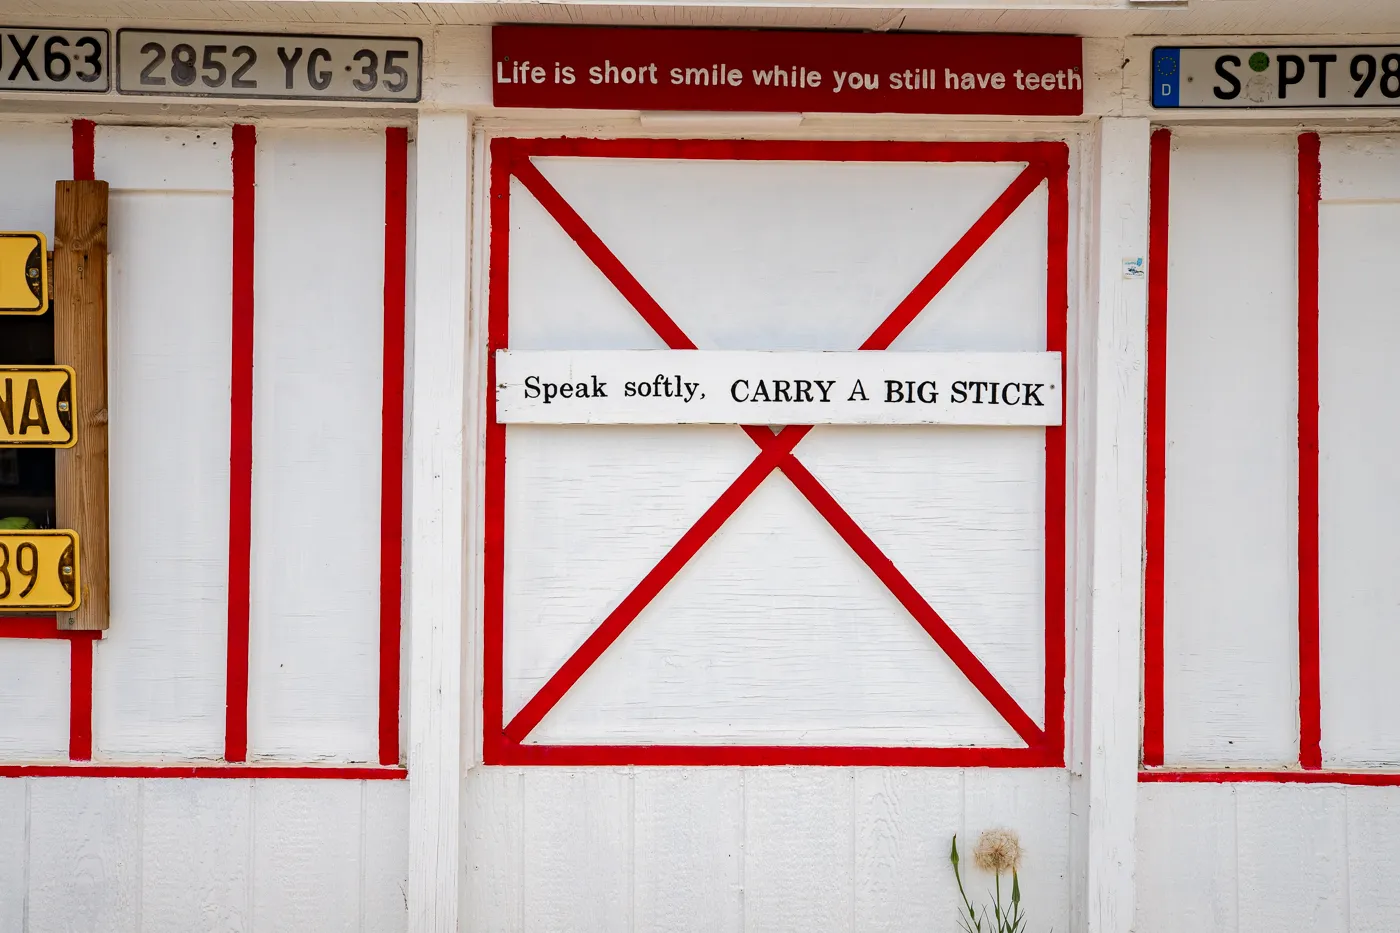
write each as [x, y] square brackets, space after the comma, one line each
[775, 387]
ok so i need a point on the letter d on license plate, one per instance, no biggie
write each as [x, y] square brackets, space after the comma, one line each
[39, 570]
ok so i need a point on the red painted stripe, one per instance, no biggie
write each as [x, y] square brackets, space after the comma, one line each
[288, 772]
[494, 518]
[1309, 672]
[1154, 578]
[797, 150]
[596, 250]
[1056, 330]
[39, 627]
[80, 699]
[690, 543]
[913, 602]
[837, 756]
[652, 584]
[245, 150]
[1356, 778]
[947, 267]
[83, 151]
[392, 446]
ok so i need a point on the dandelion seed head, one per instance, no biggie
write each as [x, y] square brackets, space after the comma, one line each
[998, 850]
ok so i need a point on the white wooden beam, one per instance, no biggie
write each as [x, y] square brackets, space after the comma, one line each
[1116, 421]
[436, 546]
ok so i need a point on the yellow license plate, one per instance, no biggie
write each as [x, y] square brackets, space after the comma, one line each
[39, 570]
[36, 406]
[24, 279]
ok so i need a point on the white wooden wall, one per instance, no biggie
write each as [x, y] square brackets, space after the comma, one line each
[149, 855]
[99, 854]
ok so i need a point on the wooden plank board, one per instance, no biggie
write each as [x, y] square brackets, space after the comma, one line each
[307, 849]
[493, 848]
[1373, 859]
[578, 859]
[80, 341]
[196, 855]
[1186, 863]
[85, 855]
[384, 870]
[34, 699]
[904, 825]
[1036, 804]
[689, 861]
[799, 850]
[14, 852]
[1292, 871]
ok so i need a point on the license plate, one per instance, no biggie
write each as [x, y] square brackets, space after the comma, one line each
[39, 570]
[24, 286]
[36, 406]
[221, 64]
[54, 60]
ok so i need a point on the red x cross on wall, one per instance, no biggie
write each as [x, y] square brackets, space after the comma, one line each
[504, 743]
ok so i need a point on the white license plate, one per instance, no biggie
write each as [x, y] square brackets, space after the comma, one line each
[54, 60]
[266, 65]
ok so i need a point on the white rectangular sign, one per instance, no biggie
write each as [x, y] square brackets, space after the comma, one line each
[1276, 76]
[269, 65]
[54, 60]
[769, 387]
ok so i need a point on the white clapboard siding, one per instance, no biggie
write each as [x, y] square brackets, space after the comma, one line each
[136, 855]
[313, 678]
[1292, 872]
[1359, 517]
[33, 699]
[1186, 861]
[1231, 489]
[725, 850]
[744, 646]
[32, 157]
[159, 674]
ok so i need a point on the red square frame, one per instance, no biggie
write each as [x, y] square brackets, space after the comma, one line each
[504, 742]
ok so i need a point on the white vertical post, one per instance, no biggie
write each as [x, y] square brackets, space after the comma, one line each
[436, 546]
[1117, 417]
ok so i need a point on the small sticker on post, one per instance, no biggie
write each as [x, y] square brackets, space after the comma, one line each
[1134, 268]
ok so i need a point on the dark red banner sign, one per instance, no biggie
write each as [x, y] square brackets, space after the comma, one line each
[609, 68]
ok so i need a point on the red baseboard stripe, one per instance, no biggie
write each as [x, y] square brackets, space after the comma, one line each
[1154, 580]
[392, 446]
[1356, 778]
[84, 157]
[245, 145]
[244, 771]
[40, 627]
[1309, 610]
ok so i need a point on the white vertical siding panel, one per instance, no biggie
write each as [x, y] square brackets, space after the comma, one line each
[306, 856]
[1373, 858]
[159, 676]
[196, 855]
[493, 843]
[799, 849]
[905, 820]
[578, 862]
[34, 698]
[1358, 472]
[317, 397]
[385, 868]
[1231, 491]
[1186, 859]
[32, 157]
[85, 855]
[14, 853]
[690, 849]
[1292, 858]
[1036, 805]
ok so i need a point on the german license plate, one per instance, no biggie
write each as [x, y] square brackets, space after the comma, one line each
[39, 570]
[36, 406]
[24, 284]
